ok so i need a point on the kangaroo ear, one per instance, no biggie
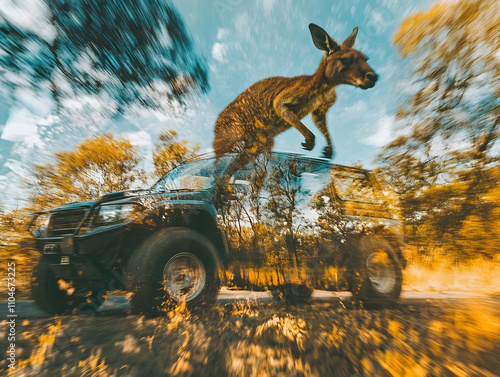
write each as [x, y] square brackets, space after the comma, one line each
[322, 40]
[349, 41]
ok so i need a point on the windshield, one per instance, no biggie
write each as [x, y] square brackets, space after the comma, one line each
[196, 175]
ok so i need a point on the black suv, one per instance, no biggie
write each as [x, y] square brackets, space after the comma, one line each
[167, 243]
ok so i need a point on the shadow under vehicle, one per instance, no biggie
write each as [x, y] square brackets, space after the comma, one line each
[167, 243]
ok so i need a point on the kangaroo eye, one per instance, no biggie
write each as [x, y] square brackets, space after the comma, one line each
[346, 61]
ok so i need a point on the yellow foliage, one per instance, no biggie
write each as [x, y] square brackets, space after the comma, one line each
[449, 20]
[44, 347]
[169, 152]
[97, 165]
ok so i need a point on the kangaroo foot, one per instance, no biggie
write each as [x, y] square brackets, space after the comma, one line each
[308, 145]
[328, 152]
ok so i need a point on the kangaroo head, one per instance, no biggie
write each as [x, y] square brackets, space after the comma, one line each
[342, 63]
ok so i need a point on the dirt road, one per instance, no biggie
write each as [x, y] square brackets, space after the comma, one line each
[249, 334]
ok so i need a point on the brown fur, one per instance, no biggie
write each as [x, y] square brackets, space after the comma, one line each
[269, 107]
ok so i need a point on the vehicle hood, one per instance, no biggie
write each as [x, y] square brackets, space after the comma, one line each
[142, 196]
[71, 206]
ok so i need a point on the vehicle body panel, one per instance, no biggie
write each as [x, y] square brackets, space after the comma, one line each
[94, 252]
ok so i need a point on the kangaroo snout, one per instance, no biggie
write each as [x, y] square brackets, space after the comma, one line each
[372, 77]
[369, 81]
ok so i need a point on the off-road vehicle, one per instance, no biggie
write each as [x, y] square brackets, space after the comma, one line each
[166, 243]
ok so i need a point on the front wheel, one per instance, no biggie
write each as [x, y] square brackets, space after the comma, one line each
[376, 274]
[174, 265]
[52, 299]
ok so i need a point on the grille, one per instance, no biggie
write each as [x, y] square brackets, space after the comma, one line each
[66, 222]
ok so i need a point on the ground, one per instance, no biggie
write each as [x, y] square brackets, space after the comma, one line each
[249, 334]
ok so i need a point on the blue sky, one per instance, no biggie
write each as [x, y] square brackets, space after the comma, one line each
[243, 42]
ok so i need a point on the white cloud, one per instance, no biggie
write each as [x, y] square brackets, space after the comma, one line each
[141, 138]
[222, 33]
[359, 107]
[219, 51]
[39, 104]
[31, 15]
[384, 133]
[407, 85]
[20, 126]
[48, 121]
[17, 167]
[14, 184]
[244, 27]
[268, 6]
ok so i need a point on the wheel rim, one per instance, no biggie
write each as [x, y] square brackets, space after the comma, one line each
[381, 271]
[184, 277]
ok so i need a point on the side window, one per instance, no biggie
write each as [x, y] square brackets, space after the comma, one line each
[315, 178]
[355, 186]
[253, 177]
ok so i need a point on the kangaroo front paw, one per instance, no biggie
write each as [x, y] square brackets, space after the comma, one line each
[328, 151]
[308, 145]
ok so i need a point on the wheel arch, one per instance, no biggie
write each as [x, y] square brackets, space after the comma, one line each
[396, 242]
[202, 221]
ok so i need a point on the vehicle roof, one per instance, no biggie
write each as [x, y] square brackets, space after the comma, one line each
[318, 160]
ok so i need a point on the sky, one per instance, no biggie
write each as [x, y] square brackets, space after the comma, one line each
[242, 42]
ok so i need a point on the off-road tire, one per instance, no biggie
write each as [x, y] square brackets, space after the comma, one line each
[369, 287]
[51, 299]
[145, 272]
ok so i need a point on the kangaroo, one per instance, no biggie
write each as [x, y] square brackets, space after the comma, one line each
[269, 107]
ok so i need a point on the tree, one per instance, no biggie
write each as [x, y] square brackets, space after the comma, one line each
[331, 222]
[454, 47]
[15, 246]
[283, 203]
[98, 165]
[242, 212]
[126, 51]
[441, 164]
[169, 152]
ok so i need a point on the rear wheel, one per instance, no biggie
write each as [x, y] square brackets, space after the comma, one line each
[376, 274]
[174, 265]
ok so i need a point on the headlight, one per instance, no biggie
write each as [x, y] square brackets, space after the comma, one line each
[39, 224]
[114, 214]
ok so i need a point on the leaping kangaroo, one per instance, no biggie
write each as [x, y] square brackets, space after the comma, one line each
[269, 107]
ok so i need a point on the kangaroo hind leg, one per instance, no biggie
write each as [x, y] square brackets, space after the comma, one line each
[319, 119]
